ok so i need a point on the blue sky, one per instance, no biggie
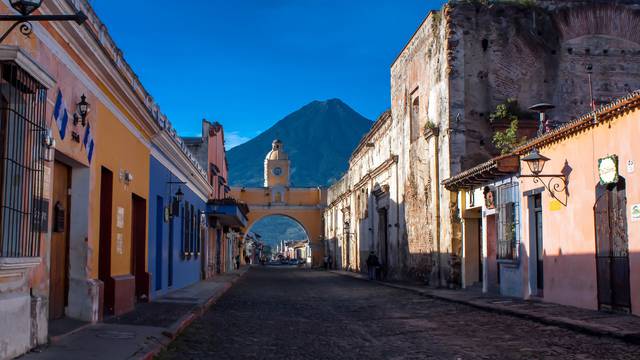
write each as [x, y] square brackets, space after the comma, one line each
[249, 63]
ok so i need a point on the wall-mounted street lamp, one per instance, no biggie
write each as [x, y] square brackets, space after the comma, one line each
[26, 8]
[82, 110]
[179, 195]
[554, 184]
[176, 199]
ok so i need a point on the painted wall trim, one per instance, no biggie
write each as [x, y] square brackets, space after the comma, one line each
[25, 61]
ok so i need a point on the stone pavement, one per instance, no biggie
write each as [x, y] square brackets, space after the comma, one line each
[143, 332]
[620, 326]
[288, 313]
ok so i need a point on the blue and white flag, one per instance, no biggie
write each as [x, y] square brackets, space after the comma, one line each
[61, 115]
[88, 142]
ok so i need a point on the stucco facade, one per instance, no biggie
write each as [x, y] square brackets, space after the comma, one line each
[570, 258]
[92, 253]
[571, 231]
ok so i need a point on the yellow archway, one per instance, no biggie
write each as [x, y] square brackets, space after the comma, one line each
[303, 205]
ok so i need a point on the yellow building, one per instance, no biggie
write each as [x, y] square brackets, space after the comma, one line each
[277, 197]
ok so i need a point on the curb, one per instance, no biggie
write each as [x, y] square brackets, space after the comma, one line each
[172, 332]
[575, 325]
[56, 339]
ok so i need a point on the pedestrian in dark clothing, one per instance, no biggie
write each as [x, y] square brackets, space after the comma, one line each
[330, 262]
[237, 262]
[372, 265]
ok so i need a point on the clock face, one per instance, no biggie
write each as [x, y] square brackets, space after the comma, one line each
[277, 171]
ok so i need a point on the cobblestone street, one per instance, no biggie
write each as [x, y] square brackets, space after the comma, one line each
[284, 313]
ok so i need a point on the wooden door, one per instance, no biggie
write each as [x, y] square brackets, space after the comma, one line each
[538, 231]
[104, 260]
[612, 247]
[59, 270]
[139, 246]
[383, 236]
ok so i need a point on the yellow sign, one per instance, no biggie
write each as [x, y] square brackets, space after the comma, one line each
[555, 205]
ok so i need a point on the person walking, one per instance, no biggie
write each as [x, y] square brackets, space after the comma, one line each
[326, 262]
[329, 262]
[372, 265]
[238, 262]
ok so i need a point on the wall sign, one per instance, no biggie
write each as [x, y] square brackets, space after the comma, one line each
[120, 243]
[635, 212]
[40, 215]
[489, 198]
[608, 170]
[120, 217]
[631, 166]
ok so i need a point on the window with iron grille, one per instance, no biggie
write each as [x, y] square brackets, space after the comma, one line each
[22, 128]
[508, 204]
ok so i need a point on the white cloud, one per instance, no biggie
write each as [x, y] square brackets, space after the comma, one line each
[233, 139]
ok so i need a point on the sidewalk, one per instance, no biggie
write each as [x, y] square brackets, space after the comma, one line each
[621, 326]
[144, 332]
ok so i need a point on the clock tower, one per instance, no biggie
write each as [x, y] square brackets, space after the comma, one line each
[276, 166]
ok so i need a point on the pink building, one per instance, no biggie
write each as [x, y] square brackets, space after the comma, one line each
[564, 225]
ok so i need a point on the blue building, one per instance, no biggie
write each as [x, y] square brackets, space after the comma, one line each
[177, 225]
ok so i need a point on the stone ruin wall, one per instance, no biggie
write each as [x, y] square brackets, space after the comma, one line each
[467, 59]
[419, 72]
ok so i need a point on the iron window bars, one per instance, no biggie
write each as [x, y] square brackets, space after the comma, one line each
[508, 221]
[22, 130]
[191, 244]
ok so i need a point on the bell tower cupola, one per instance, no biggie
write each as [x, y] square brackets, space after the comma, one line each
[276, 166]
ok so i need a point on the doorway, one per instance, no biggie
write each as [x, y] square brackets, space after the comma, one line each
[536, 244]
[104, 262]
[472, 243]
[612, 247]
[139, 246]
[383, 237]
[59, 270]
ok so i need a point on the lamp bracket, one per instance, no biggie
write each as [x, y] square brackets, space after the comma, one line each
[24, 21]
[554, 184]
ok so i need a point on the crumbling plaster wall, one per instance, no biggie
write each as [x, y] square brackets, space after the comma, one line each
[465, 60]
[419, 75]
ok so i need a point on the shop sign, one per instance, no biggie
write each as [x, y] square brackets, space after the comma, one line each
[631, 166]
[635, 212]
[608, 170]
[555, 205]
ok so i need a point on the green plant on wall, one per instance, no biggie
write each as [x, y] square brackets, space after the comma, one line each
[506, 112]
[506, 141]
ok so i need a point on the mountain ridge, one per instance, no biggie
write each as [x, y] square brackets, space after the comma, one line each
[319, 138]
